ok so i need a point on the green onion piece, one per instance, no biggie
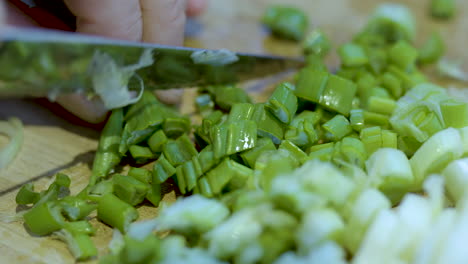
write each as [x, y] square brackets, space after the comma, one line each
[179, 151]
[408, 145]
[365, 83]
[250, 156]
[270, 164]
[57, 190]
[389, 139]
[392, 84]
[143, 118]
[129, 189]
[302, 133]
[13, 128]
[115, 212]
[295, 152]
[205, 187]
[75, 208]
[80, 245]
[107, 155]
[162, 170]
[206, 159]
[351, 151]
[44, 218]
[456, 178]
[240, 112]
[267, 124]
[381, 105]
[375, 119]
[157, 141]
[356, 103]
[393, 21]
[154, 194]
[455, 113]
[323, 152]
[378, 59]
[204, 104]
[230, 138]
[425, 161]
[140, 250]
[443, 9]
[352, 55]
[141, 154]
[83, 227]
[338, 95]
[311, 84]
[227, 96]
[100, 189]
[315, 62]
[27, 195]
[337, 127]
[390, 170]
[372, 138]
[286, 22]
[202, 133]
[309, 116]
[403, 55]
[283, 103]
[174, 127]
[140, 174]
[227, 172]
[356, 119]
[316, 43]
[432, 50]
[188, 173]
[407, 82]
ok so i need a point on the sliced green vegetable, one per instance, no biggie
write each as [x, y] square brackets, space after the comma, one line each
[162, 170]
[352, 55]
[286, 22]
[75, 208]
[230, 138]
[250, 156]
[443, 9]
[27, 195]
[316, 43]
[129, 189]
[337, 127]
[178, 151]
[140, 174]
[432, 50]
[115, 212]
[80, 245]
[141, 154]
[44, 218]
[283, 102]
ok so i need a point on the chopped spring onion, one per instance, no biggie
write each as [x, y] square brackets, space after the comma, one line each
[443, 9]
[13, 128]
[286, 22]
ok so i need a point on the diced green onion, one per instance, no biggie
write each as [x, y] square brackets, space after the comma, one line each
[267, 124]
[75, 208]
[141, 154]
[372, 138]
[173, 127]
[434, 154]
[83, 227]
[432, 50]
[283, 103]
[140, 174]
[403, 55]
[337, 128]
[44, 219]
[356, 119]
[178, 151]
[323, 152]
[154, 194]
[338, 95]
[455, 113]
[381, 105]
[80, 245]
[107, 155]
[230, 138]
[392, 84]
[157, 141]
[317, 43]
[443, 9]
[162, 170]
[115, 212]
[456, 177]
[27, 195]
[311, 84]
[129, 189]
[227, 171]
[295, 152]
[250, 156]
[352, 55]
[286, 22]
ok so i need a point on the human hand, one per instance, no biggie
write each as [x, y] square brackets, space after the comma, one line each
[155, 21]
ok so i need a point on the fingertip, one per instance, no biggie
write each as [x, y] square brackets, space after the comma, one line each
[89, 110]
[196, 7]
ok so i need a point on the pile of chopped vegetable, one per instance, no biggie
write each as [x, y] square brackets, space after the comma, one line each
[365, 165]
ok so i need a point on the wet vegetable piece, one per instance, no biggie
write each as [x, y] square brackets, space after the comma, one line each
[286, 22]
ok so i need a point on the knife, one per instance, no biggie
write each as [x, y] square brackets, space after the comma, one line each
[37, 62]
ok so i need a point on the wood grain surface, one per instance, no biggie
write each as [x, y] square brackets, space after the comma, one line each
[54, 141]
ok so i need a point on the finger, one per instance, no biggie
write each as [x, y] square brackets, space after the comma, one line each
[92, 111]
[196, 7]
[111, 18]
[163, 21]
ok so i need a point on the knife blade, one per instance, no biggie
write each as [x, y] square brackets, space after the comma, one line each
[36, 62]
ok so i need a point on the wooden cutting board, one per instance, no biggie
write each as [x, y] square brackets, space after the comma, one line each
[54, 141]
